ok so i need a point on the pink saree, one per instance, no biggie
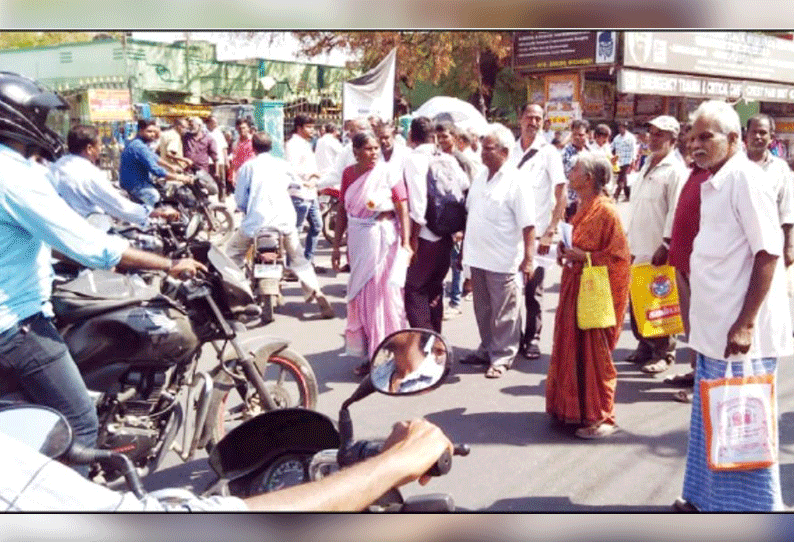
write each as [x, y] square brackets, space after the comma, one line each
[375, 306]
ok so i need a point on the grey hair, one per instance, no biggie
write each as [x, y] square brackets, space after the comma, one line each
[720, 112]
[597, 165]
[501, 134]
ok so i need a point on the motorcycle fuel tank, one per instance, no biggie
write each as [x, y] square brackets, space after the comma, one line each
[106, 345]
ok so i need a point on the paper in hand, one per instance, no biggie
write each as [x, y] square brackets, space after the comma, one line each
[566, 234]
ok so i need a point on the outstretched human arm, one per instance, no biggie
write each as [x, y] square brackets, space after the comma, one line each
[411, 449]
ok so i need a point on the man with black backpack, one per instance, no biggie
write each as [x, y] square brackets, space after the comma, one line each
[436, 185]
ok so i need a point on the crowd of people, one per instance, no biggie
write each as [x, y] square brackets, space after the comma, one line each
[713, 204]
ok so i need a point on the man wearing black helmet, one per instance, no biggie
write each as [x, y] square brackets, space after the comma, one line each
[34, 218]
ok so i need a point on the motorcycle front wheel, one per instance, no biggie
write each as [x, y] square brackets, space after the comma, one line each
[291, 382]
[221, 225]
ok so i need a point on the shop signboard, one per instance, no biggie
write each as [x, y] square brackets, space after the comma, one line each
[598, 99]
[741, 55]
[180, 110]
[624, 108]
[560, 114]
[109, 105]
[534, 51]
[562, 87]
[670, 84]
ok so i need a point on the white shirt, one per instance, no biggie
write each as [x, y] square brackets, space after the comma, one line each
[333, 177]
[298, 152]
[325, 152]
[499, 210]
[782, 179]
[33, 482]
[396, 162]
[221, 144]
[87, 190]
[262, 194]
[545, 172]
[737, 220]
[415, 170]
[654, 196]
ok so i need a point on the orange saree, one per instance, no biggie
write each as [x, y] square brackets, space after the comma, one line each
[580, 387]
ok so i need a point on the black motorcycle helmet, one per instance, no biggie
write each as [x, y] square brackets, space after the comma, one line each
[24, 107]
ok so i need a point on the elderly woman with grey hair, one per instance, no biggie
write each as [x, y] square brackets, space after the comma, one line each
[580, 388]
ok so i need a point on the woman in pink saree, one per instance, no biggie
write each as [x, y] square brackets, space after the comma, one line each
[378, 248]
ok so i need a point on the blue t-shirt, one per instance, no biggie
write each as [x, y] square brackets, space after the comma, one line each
[33, 218]
[137, 162]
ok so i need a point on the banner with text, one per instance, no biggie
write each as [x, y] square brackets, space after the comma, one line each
[742, 55]
[670, 84]
[372, 93]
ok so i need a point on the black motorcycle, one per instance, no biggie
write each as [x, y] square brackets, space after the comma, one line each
[216, 221]
[137, 346]
[295, 446]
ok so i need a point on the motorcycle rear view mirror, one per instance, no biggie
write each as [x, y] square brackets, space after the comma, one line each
[42, 428]
[410, 361]
[192, 228]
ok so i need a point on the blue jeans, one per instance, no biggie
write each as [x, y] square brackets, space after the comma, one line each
[36, 353]
[310, 209]
[456, 287]
[146, 194]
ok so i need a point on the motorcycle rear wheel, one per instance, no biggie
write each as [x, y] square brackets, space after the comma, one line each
[300, 390]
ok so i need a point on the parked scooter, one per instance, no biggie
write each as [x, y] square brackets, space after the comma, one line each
[137, 346]
[295, 446]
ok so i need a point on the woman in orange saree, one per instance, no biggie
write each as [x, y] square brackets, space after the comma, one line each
[580, 388]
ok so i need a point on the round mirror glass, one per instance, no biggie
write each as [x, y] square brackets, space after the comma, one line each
[41, 428]
[192, 227]
[410, 361]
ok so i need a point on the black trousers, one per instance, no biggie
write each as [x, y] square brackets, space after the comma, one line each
[424, 284]
[622, 182]
[533, 302]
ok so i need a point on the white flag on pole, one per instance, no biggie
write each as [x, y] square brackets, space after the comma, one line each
[373, 92]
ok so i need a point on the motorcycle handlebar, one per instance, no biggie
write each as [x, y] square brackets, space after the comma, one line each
[365, 449]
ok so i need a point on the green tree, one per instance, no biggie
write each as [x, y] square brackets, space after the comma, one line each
[463, 63]
[22, 40]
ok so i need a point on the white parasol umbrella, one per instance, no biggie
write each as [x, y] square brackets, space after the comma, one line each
[463, 114]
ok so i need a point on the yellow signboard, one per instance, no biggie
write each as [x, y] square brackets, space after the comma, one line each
[181, 110]
[109, 104]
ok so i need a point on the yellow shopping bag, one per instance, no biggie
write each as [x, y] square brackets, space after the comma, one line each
[594, 308]
[654, 300]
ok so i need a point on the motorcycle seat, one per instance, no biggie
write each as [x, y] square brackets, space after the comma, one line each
[96, 292]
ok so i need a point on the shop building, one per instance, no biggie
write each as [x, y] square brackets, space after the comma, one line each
[607, 76]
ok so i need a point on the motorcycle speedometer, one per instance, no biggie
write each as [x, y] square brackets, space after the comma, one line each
[287, 471]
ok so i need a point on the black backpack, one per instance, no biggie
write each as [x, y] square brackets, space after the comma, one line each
[446, 202]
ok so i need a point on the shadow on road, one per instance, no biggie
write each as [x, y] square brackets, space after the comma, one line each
[537, 428]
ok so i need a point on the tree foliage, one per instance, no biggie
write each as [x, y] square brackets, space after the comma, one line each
[462, 62]
[21, 40]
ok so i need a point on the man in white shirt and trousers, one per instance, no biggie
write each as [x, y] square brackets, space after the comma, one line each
[540, 166]
[499, 247]
[654, 198]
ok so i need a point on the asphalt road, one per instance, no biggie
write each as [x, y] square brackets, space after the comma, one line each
[520, 460]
